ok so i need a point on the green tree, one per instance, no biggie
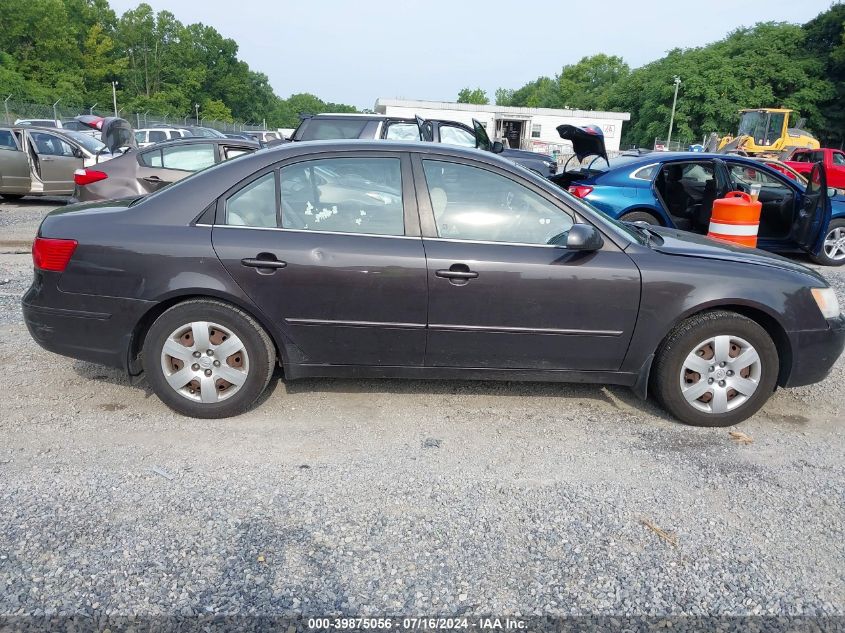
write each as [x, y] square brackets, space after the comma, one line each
[476, 96]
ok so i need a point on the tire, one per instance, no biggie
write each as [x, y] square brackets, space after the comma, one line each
[833, 255]
[735, 334]
[11, 197]
[641, 216]
[247, 360]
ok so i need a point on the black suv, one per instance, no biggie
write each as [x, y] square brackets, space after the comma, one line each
[378, 126]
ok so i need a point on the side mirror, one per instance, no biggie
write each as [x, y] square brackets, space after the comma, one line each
[497, 148]
[584, 237]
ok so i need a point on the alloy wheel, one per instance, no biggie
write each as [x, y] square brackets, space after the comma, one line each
[720, 374]
[834, 244]
[204, 362]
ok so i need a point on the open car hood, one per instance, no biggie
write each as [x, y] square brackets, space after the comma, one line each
[115, 132]
[586, 141]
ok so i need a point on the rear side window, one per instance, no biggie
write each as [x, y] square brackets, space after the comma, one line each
[452, 135]
[7, 141]
[182, 157]
[255, 204]
[157, 136]
[838, 159]
[343, 195]
[403, 132]
[325, 129]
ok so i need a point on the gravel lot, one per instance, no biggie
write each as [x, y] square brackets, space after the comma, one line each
[375, 497]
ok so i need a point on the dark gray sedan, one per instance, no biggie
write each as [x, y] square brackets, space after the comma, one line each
[141, 171]
[417, 261]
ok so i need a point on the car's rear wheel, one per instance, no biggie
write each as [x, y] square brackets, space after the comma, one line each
[715, 369]
[208, 359]
[641, 216]
[11, 197]
[833, 248]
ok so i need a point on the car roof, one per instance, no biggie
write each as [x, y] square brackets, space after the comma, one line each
[662, 157]
[348, 115]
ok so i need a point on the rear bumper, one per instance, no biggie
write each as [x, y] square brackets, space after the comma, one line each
[815, 352]
[87, 327]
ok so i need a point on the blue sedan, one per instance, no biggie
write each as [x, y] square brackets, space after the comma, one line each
[678, 189]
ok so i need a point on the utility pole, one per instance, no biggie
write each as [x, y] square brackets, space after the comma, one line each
[55, 113]
[114, 96]
[91, 109]
[6, 108]
[672, 120]
[197, 109]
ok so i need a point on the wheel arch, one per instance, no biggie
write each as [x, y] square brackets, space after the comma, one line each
[142, 327]
[756, 313]
[640, 208]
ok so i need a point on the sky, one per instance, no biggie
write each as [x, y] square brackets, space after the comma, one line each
[356, 51]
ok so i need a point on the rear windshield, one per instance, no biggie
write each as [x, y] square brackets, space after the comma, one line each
[326, 129]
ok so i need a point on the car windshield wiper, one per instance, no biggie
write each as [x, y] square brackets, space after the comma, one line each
[643, 229]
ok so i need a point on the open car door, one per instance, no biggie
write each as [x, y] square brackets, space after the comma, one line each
[814, 212]
[426, 131]
[482, 141]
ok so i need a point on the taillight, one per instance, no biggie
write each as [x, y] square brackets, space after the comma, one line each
[580, 191]
[50, 254]
[87, 176]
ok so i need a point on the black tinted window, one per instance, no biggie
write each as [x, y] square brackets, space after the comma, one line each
[324, 129]
[343, 195]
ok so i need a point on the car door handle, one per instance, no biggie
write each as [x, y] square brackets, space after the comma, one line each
[255, 262]
[457, 271]
[152, 179]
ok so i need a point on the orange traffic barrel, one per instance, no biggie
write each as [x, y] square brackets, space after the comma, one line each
[736, 218]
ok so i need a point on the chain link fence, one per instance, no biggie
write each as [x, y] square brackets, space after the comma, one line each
[16, 110]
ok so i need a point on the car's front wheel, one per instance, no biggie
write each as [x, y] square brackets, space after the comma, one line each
[641, 216]
[207, 359]
[715, 369]
[833, 248]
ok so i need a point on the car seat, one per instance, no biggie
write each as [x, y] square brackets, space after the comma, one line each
[677, 198]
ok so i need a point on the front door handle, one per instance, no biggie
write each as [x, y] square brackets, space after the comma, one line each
[255, 262]
[456, 274]
[155, 179]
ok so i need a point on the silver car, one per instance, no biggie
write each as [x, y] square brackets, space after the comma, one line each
[36, 161]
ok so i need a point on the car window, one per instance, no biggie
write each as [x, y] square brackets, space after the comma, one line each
[645, 173]
[838, 159]
[749, 175]
[323, 129]
[188, 157]
[7, 140]
[50, 145]
[231, 152]
[140, 137]
[344, 195]
[470, 203]
[255, 204]
[156, 136]
[452, 135]
[403, 132]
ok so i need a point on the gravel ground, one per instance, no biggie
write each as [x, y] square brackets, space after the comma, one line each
[375, 497]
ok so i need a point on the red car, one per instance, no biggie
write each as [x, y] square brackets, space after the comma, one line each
[802, 161]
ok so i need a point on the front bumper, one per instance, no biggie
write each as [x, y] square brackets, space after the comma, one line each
[814, 352]
[92, 328]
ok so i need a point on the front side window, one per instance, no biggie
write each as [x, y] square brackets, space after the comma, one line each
[403, 132]
[452, 135]
[470, 203]
[140, 137]
[838, 159]
[50, 145]
[7, 140]
[343, 195]
[745, 174]
[255, 204]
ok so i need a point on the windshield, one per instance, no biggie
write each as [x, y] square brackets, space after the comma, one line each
[764, 127]
[86, 140]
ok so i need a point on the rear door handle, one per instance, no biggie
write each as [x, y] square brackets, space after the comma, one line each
[456, 274]
[254, 262]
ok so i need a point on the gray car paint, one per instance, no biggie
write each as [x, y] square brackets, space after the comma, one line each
[356, 305]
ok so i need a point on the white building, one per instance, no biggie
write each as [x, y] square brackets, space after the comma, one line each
[525, 128]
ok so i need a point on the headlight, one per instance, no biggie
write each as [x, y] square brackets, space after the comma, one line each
[827, 302]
